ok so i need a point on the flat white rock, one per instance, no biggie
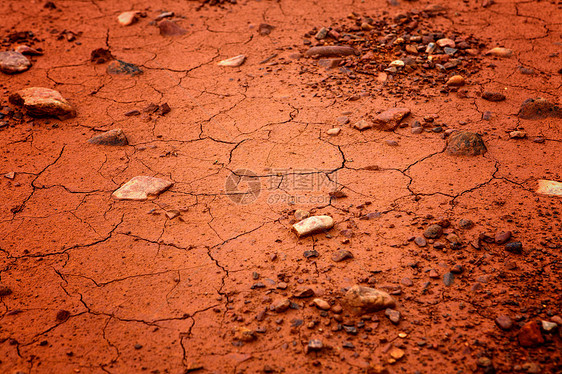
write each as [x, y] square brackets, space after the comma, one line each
[127, 18]
[233, 61]
[313, 225]
[551, 188]
[142, 188]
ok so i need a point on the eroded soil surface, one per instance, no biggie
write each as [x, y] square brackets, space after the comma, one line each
[208, 276]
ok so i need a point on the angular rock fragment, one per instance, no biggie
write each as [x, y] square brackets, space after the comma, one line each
[341, 255]
[504, 322]
[499, 52]
[365, 299]
[233, 61]
[280, 306]
[321, 304]
[13, 62]
[390, 119]
[551, 188]
[244, 334]
[27, 50]
[142, 188]
[362, 125]
[330, 51]
[264, 29]
[329, 63]
[530, 335]
[170, 28]
[127, 18]
[313, 225]
[465, 143]
[433, 232]
[539, 108]
[111, 137]
[43, 102]
[118, 67]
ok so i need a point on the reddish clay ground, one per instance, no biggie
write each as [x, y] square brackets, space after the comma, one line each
[103, 285]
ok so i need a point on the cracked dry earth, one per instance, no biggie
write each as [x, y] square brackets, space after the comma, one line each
[192, 279]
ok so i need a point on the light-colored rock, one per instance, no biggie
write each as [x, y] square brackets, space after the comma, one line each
[517, 134]
[334, 131]
[27, 50]
[43, 102]
[365, 299]
[301, 214]
[499, 52]
[128, 18]
[390, 119]
[111, 137]
[397, 63]
[244, 334]
[362, 125]
[323, 304]
[551, 188]
[11, 175]
[446, 42]
[233, 61]
[313, 225]
[13, 62]
[548, 326]
[142, 188]
[456, 81]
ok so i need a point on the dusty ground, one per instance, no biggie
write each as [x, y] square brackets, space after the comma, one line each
[102, 285]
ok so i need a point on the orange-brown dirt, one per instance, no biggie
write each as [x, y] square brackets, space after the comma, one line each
[184, 282]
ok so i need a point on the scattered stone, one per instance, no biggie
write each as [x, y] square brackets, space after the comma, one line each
[514, 247]
[142, 188]
[446, 43]
[504, 322]
[163, 109]
[310, 253]
[407, 282]
[134, 112]
[13, 62]
[341, 255]
[433, 232]
[128, 18]
[11, 175]
[390, 119]
[517, 134]
[433, 274]
[548, 326]
[365, 299]
[397, 353]
[493, 96]
[233, 61]
[321, 304]
[484, 362]
[456, 81]
[329, 63]
[530, 335]
[62, 315]
[118, 67]
[101, 56]
[330, 51]
[391, 143]
[301, 214]
[264, 29]
[465, 143]
[420, 241]
[313, 225]
[5, 291]
[393, 315]
[27, 50]
[334, 131]
[43, 102]
[499, 52]
[112, 137]
[170, 28]
[550, 188]
[303, 292]
[244, 334]
[280, 306]
[466, 224]
[362, 125]
[502, 237]
[538, 108]
[163, 15]
[531, 368]
[448, 278]
[314, 345]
